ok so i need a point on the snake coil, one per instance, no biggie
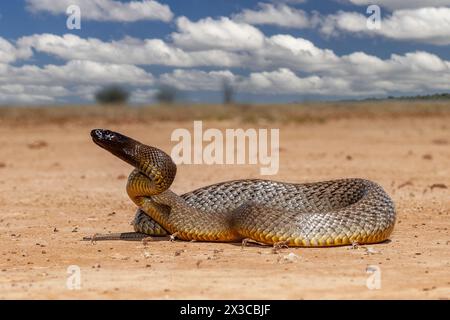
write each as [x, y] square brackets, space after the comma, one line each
[327, 213]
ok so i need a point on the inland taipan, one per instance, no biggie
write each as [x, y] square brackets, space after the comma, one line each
[328, 213]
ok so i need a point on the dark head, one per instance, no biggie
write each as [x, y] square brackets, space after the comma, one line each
[116, 143]
[152, 162]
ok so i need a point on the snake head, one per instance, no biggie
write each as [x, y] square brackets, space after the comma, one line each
[151, 161]
[114, 142]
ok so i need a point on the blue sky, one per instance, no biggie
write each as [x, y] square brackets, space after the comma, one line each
[281, 51]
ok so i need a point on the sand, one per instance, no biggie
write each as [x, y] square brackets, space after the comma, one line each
[56, 186]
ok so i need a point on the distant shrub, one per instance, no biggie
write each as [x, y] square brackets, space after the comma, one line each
[228, 92]
[166, 94]
[112, 95]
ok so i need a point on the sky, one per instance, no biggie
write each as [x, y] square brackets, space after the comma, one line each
[268, 51]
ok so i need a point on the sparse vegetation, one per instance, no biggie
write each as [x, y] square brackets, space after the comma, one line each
[432, 97]
[112, 95]
[166, 94]
[311, 112]
[437, 96]
[228, 92]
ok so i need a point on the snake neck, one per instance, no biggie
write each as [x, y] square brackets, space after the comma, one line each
[148, 188]
[141, 190]
[152, 162]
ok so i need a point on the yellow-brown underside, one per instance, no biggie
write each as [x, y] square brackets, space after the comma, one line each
[269, 238]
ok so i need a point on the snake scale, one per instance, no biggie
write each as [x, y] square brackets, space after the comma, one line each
[328, 213]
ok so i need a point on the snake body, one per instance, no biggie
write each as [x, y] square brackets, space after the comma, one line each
[327, 213]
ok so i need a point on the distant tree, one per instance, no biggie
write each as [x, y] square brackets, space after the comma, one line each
[112, 95]
[228, 92]
[166, 94]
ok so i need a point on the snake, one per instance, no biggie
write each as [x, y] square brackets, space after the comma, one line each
[317, 214]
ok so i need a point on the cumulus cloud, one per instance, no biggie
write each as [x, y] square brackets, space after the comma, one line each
[285, 81]
[106, 10]
[30, 94]
[10, 53]
[295, 53]
[279, 81]
[75, 72]
[143, 96]
[279, 15]
[191, 80]
[428, 25]
[356, 74]
[33, 84]
[274, 66]
[128, 51]
[235, 51]
[414, 72]
[401, 4]
[222, 33]
[275, 51]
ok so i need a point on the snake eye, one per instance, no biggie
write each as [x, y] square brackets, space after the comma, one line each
[109, 135]
[99, 134]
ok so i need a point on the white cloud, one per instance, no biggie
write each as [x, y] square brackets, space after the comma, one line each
[106, 10]
[277, 64]
[357, 74]
[143, 96]
[280, 81]
[280, 15]
[414, 72]
[274, 67]
[33, 84]
[191, 80]
[30, 94]
[125, 51]
[284, 81]
[354, 75]
[10, 53]
[222, 33]
[75, 72]
[295, 53]
[344, 21]
[401, 4]
[427, 25]
[276, 51]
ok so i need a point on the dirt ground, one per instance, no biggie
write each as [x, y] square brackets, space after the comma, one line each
[56, 186]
